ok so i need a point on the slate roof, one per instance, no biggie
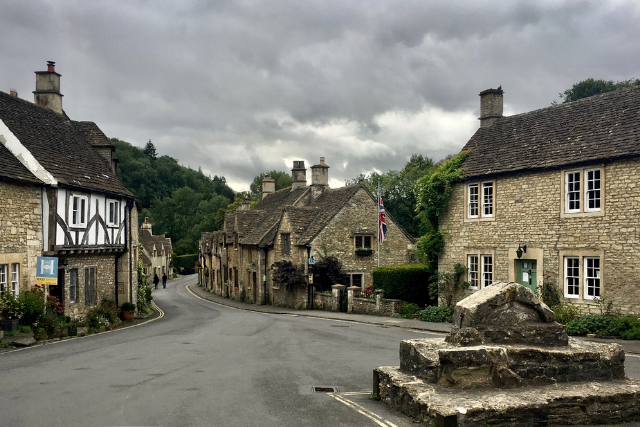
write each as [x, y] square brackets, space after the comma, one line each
[12, 169]
[148, 240]
[92, 134]
[599, 128]
[61, 145]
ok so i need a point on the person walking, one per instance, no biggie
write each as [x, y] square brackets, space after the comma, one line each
[156, 280]
[164, 280]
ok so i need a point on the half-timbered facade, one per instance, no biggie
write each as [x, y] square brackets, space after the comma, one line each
[61, 198]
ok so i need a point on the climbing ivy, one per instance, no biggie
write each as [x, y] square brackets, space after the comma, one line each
[434, 193]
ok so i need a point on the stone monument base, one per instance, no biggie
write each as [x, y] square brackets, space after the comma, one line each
[570, 403]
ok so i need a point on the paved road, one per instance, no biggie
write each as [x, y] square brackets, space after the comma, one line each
[204, 364]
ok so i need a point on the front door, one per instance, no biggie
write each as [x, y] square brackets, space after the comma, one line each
[527, 273]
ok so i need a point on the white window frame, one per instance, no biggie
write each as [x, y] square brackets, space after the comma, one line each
[113, 207]
[597, 277]
[473, 272]
[15, 279]
[587, 197]
[486, 273]
[567, 277]
[80, 212]
[473, 201]
[568, 191]
[487, 185]
[4, 287]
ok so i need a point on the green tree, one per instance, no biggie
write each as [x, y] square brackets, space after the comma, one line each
[590, 87]
[150, 150]
[398, 191]
[282, 179]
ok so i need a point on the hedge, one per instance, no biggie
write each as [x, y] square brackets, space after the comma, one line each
[409, 282]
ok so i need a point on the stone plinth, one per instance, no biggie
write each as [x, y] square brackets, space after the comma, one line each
[573, 403]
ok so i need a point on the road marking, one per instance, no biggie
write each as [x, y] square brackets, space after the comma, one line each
[153, 304]
[361, 410]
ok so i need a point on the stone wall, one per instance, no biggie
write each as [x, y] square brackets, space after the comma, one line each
[528, 210]
[322, 301]
[363, 306]
[389, 307]
[21, 229]
[104, 263]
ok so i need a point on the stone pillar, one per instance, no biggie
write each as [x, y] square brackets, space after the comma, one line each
[379, 295]
[336, 291]
[352, 292]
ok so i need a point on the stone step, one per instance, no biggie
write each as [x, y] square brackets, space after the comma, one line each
[590, 402]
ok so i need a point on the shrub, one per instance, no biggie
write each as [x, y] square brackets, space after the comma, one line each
[631, 334]
[408, 282]
[436, 314]
[628, 327]
[550, 295]
[328, 272]
[448, 286]
[566, 312]
[599, 325]
[24, 329]
[408, 310]
[286, 273]
[128, 306]
[32, 305]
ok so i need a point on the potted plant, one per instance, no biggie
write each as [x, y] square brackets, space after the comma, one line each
[127, 311]
[10, 312]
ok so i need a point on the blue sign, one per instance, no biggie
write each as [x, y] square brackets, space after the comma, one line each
[312, 261]
[47, 271]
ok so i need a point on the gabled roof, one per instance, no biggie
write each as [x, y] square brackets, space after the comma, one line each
[12, 169]
[148, 240]
[61, 146]
[599, 128]
[92, 134]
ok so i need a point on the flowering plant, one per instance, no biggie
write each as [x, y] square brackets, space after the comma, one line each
[54, 305]
[368, 293]
[10, 307]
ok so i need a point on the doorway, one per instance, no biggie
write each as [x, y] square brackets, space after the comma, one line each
[527, 274]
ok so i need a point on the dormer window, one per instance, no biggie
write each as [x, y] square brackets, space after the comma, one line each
[78, 214]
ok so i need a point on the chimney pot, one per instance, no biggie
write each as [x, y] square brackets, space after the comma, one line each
[51, 66]
[13, 92]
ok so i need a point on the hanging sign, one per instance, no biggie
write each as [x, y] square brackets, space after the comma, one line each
[47, 271]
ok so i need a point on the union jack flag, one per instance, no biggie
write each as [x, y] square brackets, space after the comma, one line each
[382, 223]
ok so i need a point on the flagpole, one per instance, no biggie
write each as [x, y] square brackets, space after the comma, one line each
[378, 219]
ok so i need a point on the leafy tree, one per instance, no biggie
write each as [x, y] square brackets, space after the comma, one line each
[590, 87]
[282, 179]
[398, 191]
[328, 272]
[150, 150]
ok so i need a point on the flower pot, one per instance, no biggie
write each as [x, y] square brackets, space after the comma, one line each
[127, 316]
[9, 325]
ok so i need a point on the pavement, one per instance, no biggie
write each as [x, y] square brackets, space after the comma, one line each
[630, 346]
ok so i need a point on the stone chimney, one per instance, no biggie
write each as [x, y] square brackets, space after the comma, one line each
[13, 92]
[245, 205]
[298, 174]
[268, 186]
[319, 178]
[47, 93]
[490, 106]
[146, 225]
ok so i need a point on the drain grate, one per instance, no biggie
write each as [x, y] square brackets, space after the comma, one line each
[323, 389]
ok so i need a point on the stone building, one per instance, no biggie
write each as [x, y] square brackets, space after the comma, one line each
[61, 198]
[552, 196]
[295, 224]
[156, 252]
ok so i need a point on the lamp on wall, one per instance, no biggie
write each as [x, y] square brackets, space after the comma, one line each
[521, 250]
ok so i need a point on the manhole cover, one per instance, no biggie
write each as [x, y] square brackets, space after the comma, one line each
[323, 389]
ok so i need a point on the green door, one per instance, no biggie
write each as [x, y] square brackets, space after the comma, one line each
[527, 273]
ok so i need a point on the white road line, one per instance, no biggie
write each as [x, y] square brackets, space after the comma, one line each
[372, 416]
[160, 316]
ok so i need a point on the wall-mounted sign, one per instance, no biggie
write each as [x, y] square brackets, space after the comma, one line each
[47, 271]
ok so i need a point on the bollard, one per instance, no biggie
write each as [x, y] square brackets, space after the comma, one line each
[376, 384]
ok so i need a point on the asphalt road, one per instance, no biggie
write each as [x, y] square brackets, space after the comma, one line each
[204, 364]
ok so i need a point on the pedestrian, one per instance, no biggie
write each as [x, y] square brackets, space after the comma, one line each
[156, 280]
[164, 280]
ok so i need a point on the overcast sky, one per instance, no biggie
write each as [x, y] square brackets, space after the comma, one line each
[243, 87]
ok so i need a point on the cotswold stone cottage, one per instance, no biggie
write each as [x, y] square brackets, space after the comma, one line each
[295, 224]
[552, 196]
[61, 198]
[156, 252]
